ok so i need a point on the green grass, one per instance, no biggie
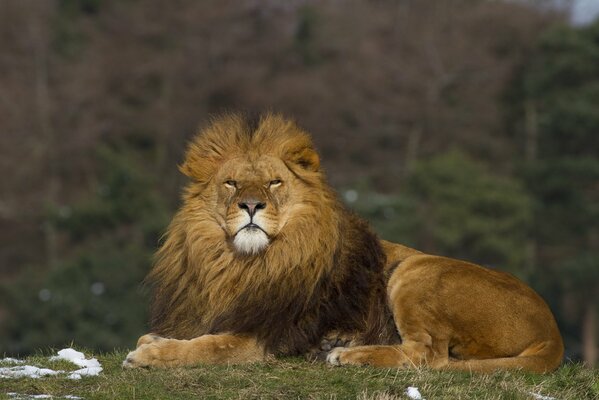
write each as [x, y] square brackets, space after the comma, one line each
[298, 379]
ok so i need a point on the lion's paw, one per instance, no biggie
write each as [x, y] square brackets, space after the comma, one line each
[149, 338]
[335, 356]
[146, 354]
[137, 358]
[149, 355]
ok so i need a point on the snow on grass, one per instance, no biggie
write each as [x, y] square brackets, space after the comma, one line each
[9, 360]
[414, 393]
[19, 396]
[91, 367]
[27, 371]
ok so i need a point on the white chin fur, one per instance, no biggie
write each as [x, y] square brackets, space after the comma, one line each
[250, 241]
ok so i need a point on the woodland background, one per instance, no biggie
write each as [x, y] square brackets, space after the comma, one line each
[467, 128]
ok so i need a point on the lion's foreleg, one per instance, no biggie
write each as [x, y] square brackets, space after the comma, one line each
[406, 355]
[154, 351]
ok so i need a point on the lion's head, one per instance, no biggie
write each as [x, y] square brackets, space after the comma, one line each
[261, 244]
[255, 174]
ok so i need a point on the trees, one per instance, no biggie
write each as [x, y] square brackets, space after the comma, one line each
[454, 206]
[92, 295]
[559, 85]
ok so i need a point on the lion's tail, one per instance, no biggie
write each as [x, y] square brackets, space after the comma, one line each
[540, 358]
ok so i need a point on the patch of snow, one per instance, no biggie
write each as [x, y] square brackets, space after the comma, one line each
[9, 360]
[414, 393]
[19, 396]
[93, 371]
[72, 355]
[27, 371]
[91, 367]
[538, 396]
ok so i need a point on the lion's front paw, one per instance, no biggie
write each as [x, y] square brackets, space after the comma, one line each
[159, 353]
[148, 352]
[139, 358]
[148, 338]
[335, 356]
[375, 356]
[363, 355]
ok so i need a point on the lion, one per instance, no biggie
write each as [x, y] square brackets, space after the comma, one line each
[263, 260]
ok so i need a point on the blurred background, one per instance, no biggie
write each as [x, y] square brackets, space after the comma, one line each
[466, 128]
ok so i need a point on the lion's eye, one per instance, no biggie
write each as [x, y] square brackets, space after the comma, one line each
[231, 184]
[275, 183]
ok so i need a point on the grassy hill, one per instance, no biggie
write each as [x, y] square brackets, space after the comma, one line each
[296, 379]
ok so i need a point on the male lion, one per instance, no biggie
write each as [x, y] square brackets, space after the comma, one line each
[262, 259]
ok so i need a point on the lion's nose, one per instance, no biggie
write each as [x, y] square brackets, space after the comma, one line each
[252, 206]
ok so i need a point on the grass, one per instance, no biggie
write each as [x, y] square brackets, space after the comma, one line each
[298, 379]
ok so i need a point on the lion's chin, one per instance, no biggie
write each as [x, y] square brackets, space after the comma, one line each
[250, 241]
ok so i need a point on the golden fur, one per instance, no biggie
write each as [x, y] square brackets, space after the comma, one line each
[263, 259]
[456, 315]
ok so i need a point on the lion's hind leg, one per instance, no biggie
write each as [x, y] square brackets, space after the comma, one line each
[540, 357]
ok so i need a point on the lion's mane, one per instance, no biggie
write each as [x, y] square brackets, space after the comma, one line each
[323, 271]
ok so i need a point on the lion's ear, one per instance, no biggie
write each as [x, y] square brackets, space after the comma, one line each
[307, 158]
[198, 166]
[299, 151]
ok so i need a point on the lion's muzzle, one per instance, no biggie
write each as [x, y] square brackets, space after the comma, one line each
[252, 206]
[251, 239]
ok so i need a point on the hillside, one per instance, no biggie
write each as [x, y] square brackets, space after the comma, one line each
[296, 379]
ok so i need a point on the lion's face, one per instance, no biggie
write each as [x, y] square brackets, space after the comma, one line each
[253, 197]
[258, 182]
